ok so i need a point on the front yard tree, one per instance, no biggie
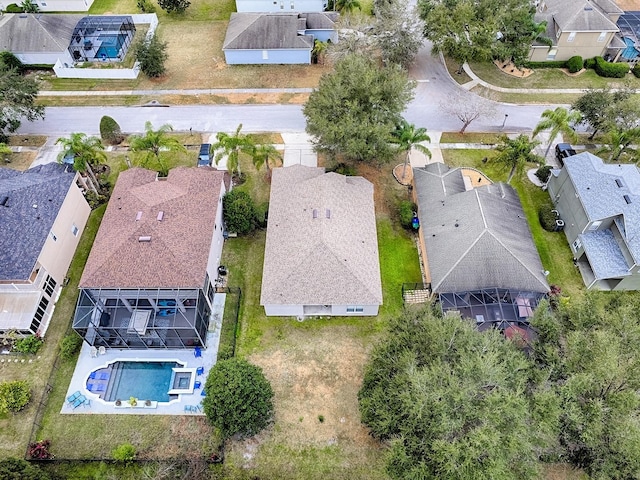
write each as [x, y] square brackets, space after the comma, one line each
[515, 153]
[468, 110]
[152, 142]
[356, 108]
[170, 6]
[558, 121]
[407, 137]
[619, 143]
[239, 398]
[87, 153]
[598, 107]
[263, 154]
[239, 212]
[152, 53]
[231, 146]
[398, 33]
[17, 101]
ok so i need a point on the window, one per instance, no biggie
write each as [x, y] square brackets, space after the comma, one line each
[265, 54]
[53, 236]
[602, 37]
[552, 54]
[49, 285]
[352, 309]
[74, 230]
[571, 37]
[577, 245]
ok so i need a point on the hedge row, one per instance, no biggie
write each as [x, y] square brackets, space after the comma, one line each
[610, 70]
[575, 64]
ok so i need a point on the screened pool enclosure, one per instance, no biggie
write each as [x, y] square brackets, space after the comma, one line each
[142, 318]
[102, 38]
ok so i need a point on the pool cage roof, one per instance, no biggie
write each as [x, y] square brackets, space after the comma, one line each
[113, 33]
[629, 25]
[95, 25]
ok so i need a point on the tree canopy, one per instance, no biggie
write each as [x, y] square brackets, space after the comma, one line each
[598, 106]
[230, 146]
[152, 54]
[515, 153]
[151, 144]
[479, 29]
[239, 398]
[397, 32]
[177, 6]
[355, 109]
[17, 101]
[559, 120]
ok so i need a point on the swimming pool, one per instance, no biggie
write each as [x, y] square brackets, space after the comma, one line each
[142, 380]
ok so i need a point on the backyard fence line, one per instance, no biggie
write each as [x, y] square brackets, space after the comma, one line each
[236, 291]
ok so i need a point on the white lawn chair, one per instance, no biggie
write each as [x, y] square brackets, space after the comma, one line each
[93, 352]
[102, 350]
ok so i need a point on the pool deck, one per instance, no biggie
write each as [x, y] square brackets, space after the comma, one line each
[86, 364]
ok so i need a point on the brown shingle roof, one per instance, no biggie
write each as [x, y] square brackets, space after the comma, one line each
[328, 260]
[176, 256]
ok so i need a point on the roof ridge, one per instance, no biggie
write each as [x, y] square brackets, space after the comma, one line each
[37, 20]
[244, 29]
[460, 258]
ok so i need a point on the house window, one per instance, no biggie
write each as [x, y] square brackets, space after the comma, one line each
[53, 236]
[577, 245]
[602, 36]
[571, 37]
[595, 225]
[265, 54]
[353, 309]
[49, 285]
[292, 6]
[74, 230]
[552, 54]
[37, 318]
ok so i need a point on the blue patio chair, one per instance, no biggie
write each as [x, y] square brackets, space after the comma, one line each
[203, 393]
[100, 387]
[79, 401]
[199, 370]
[71, 398]
[197, 352]
[90, 387]
[197, 385]
[92, 375]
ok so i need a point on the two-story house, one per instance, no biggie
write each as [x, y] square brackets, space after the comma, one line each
[42, 215]
[600, 206]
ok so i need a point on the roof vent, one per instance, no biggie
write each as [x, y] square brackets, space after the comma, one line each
[315, 213]
[146, 238]
[328, 213]
[588, 8]
[160, 215]
[138, 216]
[627, 199]
[3, 201]
[619, 182]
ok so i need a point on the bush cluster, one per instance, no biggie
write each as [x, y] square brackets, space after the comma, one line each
[575, 64]
[124, 453]
[110, 131]
[146, 6]
[550, 64]
[636, 70]
[590, 63]
[344, 169]
[9, 61]
[543, 173]
[13, 8]
[30, 344]
[610, 70]
[547, 218]
[14, 396]
[239, 212]
[70, 346]
[406, 210]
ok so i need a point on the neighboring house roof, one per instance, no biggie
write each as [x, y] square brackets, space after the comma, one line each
[31, 202]
[176, 254]
[265, 31]
[35, 32]
[597, 186]
[319, 20]
[476, 238]
[328, 260]
[576, 16]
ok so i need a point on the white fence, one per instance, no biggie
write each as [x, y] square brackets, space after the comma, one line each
[63, 70]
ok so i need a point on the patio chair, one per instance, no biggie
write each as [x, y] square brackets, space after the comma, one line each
[197, 385]
[79, 401]
[90, 386]
[93, 352]
[92, 375]
[102, 350]
[104, 376]
[203, 393]
[199, 370]
[71, 398]
[86, 403]
[197, 352]
[99, 387]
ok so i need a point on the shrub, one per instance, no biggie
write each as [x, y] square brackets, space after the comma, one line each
[152, 54]
[94, 199]
[14, 396]
[40, 450]
[344, 169]
[18, 469]
[262, 214]
[543, 173]
[610, 70]
[239, 399]
[551, 64]
[406, 210]
[30, 344]
[575, 64]
[636, 70]
[29, 7]
[110, 131]
[547, 218]
[13, 8]
[9, 61]
[124, 453]
[239, 212]
[146, 6]
[590, 63]
[70, 346]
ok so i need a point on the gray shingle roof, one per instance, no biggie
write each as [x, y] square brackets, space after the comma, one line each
[34, 200]
[576, 16]
[265, 31]
[604, 254]
[320, 261]
[31, 33]
[475, 239]
[602, 198]
[177, 253]
[320, 20]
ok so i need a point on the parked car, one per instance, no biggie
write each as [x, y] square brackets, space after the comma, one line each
[564, 150]
[204, 157]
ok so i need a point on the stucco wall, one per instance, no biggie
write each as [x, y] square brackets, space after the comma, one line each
[215, 250]
[278, 57]
[323, 35]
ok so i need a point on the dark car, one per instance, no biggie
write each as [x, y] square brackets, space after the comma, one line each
[204, 158]
[564, 150]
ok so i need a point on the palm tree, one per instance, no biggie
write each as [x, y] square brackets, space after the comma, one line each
[319, 51]
[516, 153]
[347, 6]
[262, 154]
[231, 146]
[407, 137]
[558, 121]
[619, 142]
[154, 141]
[87, 152]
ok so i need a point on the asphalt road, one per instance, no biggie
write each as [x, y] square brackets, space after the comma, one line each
[434, 88]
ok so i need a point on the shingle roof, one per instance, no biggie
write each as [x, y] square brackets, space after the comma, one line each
[265, 31]
[320, 261]
[602, 198]
[576, 16]
[176, 255]
[320, 20]
[475, 239]
[29, 33]
[33, 200]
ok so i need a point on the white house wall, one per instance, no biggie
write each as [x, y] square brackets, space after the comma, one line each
[63, 5]
[336, 311]
[44, 58]
[215, 251]
[265, 6]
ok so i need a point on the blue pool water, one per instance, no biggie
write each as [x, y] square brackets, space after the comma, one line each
[110, 46]
[142, 380]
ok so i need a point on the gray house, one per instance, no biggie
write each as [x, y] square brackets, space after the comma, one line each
[257, 38]
[273, 6]
[38, 39]
[476, 246]
[600, 206]
[321, 255]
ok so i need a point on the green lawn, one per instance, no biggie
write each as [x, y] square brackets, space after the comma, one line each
[470, 137]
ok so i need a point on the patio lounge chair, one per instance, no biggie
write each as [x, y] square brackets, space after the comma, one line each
[93, 352]
[199, 370]
[197, 352]
[71, 398]
[197, 385]
[79, 401]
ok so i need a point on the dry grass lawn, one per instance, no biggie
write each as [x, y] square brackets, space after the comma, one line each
[19, 161]
[27, 140]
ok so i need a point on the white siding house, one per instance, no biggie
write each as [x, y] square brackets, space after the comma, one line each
[272, 6]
